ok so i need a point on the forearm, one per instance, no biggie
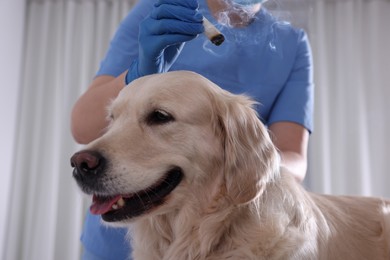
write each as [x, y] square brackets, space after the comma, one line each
[88, 118]
[294, 163]
[291, 140]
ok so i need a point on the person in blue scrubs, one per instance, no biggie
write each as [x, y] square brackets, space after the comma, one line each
[262, 57]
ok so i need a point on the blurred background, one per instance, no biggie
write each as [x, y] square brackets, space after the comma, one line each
[50, 50]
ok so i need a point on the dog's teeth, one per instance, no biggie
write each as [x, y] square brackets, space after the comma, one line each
[121, 202]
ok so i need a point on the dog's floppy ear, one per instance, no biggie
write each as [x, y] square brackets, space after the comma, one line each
[251, 159]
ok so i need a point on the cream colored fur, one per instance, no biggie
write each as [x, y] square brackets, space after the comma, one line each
[234, 202]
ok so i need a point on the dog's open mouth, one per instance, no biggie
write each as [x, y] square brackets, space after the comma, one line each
[120, 207]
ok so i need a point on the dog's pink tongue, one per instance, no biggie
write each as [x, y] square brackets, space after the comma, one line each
[102, 205]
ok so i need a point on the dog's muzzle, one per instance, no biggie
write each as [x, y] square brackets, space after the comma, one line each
[89, 171]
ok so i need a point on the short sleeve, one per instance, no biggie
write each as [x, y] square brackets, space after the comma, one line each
[123, 47]
[295, 102]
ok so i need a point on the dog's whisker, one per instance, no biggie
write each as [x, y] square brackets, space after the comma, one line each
[139, 198]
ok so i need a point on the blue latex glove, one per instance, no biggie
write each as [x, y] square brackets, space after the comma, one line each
[162, 35]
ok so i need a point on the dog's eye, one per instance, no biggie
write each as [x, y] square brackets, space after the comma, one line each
[158, 117]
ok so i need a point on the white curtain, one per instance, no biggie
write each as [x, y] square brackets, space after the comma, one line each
[349, 147]
[65, 41]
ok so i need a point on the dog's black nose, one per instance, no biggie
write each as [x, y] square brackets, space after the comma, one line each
[87, 163]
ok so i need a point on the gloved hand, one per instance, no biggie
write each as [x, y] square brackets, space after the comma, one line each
[162, 35]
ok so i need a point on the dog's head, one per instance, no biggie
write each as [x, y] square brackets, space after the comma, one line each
[175, 138]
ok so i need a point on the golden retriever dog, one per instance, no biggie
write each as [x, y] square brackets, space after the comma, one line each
[193, 173]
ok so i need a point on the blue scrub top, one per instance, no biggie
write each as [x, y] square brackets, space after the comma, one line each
[269, 60]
